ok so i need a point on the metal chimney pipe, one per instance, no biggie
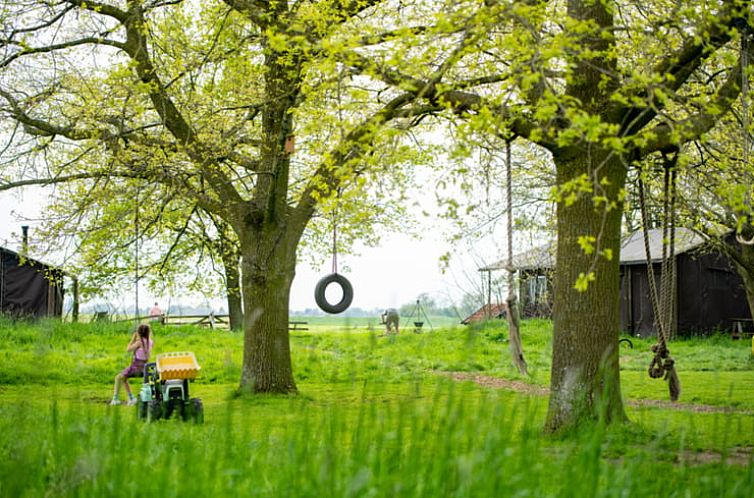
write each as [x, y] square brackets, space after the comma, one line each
[25, 240]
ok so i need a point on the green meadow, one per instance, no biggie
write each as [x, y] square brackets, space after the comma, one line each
[439, 413]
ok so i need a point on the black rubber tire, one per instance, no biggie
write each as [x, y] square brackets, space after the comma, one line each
[345, 301]
[154, 410]
[627, 341]
[173, 408]
[142, 408]
[195, 411]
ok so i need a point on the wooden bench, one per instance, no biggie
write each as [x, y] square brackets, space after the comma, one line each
[210, 320]
[297, 325]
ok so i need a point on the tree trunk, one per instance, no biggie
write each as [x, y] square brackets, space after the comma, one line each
[744, 263]
[268, 268]
[585, 380]
[75, 311]
[233, 289]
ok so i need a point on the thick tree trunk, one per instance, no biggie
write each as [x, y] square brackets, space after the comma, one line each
[268, 268]
[269, 235]
[585, 381]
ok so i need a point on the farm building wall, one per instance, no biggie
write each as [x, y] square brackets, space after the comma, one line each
[29, 289]
[709, 295]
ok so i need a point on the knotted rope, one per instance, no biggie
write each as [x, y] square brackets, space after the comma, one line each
[662, 364]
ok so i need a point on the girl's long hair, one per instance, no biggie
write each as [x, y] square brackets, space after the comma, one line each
[144, 332]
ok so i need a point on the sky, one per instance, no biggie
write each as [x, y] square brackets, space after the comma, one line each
[389, 275]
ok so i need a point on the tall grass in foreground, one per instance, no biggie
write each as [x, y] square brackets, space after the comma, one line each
[445, 443]
[376, 416]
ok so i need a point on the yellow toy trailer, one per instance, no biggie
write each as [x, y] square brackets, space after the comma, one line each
[165, 391]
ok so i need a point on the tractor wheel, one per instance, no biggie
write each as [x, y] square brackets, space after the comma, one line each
[194, 411]
[142, 407]
[154, 410]
[174, 407]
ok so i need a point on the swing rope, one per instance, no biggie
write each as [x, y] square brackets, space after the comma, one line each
[746, 142]
[334, 277]
[514, 322]
[335, 240]
[662, 364]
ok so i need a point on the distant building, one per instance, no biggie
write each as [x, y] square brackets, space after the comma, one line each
[29, 288]
[486, 312]
[534, 270]
[709, 293]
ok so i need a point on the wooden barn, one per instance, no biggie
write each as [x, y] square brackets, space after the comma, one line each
[29, 288]
[708, 291]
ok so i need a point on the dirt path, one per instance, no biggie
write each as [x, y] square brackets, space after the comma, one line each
[522, 387]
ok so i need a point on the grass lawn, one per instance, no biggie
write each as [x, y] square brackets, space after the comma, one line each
[375, 416]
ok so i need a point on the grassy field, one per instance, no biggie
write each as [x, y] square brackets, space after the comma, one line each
[375, 416]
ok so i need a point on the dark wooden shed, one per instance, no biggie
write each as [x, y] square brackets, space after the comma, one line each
[709, 293]
[29, 288]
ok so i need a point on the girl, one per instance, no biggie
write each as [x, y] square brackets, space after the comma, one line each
[141, 345]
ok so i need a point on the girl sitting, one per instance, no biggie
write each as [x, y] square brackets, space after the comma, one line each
[141, 345]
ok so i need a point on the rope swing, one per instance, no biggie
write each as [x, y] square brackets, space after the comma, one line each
[662, 364]
[334, 278]
[514, 322]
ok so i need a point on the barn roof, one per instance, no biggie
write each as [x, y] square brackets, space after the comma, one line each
[538, 257]
[631, 252]
[32, 261]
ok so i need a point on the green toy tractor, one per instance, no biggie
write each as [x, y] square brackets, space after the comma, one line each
[165, 391]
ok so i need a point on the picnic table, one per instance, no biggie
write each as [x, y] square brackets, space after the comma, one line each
[742, 327]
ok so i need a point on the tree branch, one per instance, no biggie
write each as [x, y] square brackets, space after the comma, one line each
[39, 127]
[60, 46]
[682, 64]
[669, 135]
[137, 48]
[101, 8]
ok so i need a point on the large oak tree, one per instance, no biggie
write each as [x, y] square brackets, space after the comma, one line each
[601, 85]
[240, 108]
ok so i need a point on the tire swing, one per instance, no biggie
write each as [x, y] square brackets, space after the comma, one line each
[334, 278]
